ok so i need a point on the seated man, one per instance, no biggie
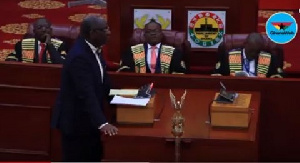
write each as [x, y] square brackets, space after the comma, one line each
[152, 56]
[249, 61]
[40, 49]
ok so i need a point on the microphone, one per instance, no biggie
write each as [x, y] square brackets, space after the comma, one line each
[123, 68]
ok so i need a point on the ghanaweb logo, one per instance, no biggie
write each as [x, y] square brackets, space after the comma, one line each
[281, 28]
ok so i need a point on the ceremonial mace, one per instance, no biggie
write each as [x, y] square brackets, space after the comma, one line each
[177, 122]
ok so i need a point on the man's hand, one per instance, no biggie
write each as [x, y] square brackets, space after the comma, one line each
[48, 39]
[109, 129]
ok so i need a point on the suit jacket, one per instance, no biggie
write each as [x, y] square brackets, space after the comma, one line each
[27, 51]
[79, 106]
[176, 65]
[223, 65]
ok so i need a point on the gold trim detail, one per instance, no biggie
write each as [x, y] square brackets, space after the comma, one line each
[98, 7]
[4, 53]
[20, 29]
[33, 16]
[80, 17]
[267, 13]
[41, 4]
[12, 41]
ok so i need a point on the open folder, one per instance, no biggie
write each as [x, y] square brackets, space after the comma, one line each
[130, 101]
[124, 92]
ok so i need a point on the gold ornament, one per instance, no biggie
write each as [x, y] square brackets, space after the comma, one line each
[41, 4]
[15, 28]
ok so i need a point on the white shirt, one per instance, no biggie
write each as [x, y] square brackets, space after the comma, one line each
[95, 50]
[251, 65]
[149, 53]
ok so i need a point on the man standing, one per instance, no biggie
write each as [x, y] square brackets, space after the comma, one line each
[250, 60]
[85, 84]
[153, 56]
[40, 49]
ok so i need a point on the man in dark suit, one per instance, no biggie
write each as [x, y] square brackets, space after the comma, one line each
[249, 61]
[40, 49]
[78, 112]
[152, 56]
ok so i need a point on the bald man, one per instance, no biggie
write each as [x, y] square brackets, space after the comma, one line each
[78, 112]
[249, 61]
[40, 49]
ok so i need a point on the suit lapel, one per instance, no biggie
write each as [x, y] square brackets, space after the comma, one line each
[158, 66]
[146, 56]
[36, 51]
[93, 60]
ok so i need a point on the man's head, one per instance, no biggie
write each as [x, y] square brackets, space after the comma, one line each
[42, 28]
[95, 30]
[153, 34]
[253, 45]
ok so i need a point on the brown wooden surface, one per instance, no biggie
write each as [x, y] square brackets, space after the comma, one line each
[241, 17]
[200, 140]
[279, 114]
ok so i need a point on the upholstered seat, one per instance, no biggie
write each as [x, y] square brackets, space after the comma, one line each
[233, 41]
[68, 34]
[173, 38]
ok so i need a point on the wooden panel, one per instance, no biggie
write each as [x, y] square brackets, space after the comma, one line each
[24, 133]
[279, 118]
[223, 144]
[27, 96]
[241, 18]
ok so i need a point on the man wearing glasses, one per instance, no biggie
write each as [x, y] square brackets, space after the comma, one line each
[152, 56]
[40, 49]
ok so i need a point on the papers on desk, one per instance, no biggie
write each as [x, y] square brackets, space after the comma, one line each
[123, 92]
[130, 101]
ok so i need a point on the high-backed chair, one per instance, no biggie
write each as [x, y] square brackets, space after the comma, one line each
[233, 41]
[176, 39]
[68, 34]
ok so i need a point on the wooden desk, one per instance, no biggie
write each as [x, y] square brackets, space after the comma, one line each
[200, 141]
[32, 139]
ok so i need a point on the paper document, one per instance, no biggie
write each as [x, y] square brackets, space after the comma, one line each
[130, 101]
[123, 92]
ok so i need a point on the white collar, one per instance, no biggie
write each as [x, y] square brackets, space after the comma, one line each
[39, 43]
[93, 48]
[157, 46]
[244, 54]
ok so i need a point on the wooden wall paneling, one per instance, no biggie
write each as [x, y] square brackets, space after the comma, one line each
[25, 133]
[241, 18]
[114, 22]
[279, 118]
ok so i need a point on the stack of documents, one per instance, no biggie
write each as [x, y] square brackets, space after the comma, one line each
[124, 92]
[130, 101]
[118, 99]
